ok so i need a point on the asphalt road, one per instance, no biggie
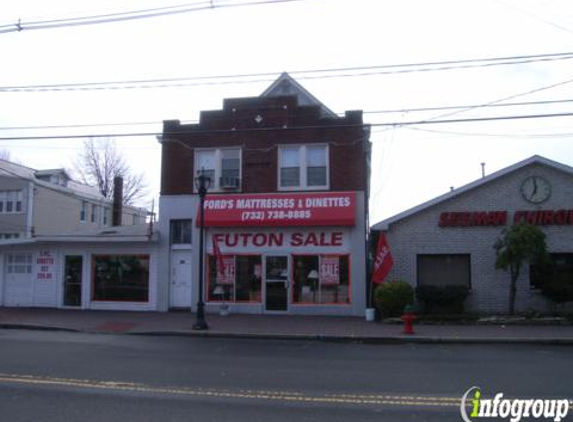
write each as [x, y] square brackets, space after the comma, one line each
[56, 376]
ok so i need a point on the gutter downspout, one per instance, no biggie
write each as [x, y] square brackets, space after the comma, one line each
[367, 147]
[30, 211]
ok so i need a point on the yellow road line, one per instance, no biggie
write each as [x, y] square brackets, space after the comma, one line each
[355, 399]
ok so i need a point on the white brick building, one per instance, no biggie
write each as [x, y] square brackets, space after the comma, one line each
[449, 240]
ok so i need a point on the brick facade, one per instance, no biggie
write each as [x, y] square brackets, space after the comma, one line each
[282, 122]
[285, 114]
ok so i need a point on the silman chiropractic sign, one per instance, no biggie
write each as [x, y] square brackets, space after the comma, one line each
[560, 217]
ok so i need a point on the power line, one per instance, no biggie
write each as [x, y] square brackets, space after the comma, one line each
[440, 117]
[495, 135]
[300, 74]
[69, 126]
[386, 124]
[387, 111]
[531, 15]
[109, 15]
[438, 108]
[130, 15]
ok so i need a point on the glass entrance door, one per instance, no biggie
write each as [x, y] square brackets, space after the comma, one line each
[73, 280]
[276, 283]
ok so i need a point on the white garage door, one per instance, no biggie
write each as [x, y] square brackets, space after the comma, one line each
[18, 289]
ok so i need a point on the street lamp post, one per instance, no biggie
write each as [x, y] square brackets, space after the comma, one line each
[202, 183]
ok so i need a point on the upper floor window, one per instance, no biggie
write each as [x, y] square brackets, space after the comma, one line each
[83, 211]
[9, 236]
[105, 216]
[11, 201]
[93, 213]
[222, 166]
[303, 167]
[180, 232]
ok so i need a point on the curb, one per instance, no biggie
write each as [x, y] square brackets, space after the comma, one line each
[358, 339]
[32, 327]
[389, 340]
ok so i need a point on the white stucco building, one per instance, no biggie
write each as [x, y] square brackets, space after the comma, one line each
[60, 248]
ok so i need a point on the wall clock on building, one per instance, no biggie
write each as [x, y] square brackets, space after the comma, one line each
[536, 189]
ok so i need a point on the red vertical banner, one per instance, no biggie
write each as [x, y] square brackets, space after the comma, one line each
[218, 257]
[329, 269]
[225, 265]
[383, 262]
[227, 276]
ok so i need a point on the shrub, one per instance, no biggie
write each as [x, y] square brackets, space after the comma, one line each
[391, 298]
[559, 290]
[442, 299]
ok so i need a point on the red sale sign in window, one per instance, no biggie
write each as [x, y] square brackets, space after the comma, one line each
[45, 265]
[280, 210]
[228, 274]
[329, 269]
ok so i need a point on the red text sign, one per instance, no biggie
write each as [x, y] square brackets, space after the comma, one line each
[329, 269]
[500, 218]
[269, 240]
[281, 209]
[471, 219]
[228, 274]
[45, 262]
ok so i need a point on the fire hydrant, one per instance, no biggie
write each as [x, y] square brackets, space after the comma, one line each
[408, 317]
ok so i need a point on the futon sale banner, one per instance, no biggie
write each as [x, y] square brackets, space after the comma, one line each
[280, 210]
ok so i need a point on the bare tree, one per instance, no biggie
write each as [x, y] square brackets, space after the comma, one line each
[100, 162]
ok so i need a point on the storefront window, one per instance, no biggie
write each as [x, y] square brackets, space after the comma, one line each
[120, 278]
[240, 280]
[321, 279]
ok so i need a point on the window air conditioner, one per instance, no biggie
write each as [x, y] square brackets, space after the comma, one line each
[229, 182]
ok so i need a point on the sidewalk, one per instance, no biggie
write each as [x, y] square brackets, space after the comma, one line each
[278, 327]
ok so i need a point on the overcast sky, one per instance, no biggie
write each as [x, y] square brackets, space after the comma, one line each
[411, 163]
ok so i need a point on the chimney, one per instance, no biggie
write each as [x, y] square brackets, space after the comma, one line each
[117, 201]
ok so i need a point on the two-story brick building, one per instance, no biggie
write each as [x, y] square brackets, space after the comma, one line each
[450, 240]
[287, 205]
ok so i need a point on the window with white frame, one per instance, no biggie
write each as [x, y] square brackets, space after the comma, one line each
[6, 236]
[83, 211]
[11, 201]
[222, 166]
[105, 216]
[230, 167]
[303, 167]
[19, 263]
[93, 213]
[181, 231]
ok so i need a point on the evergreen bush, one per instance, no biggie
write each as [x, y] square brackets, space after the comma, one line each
[392, 297]
[442, 299]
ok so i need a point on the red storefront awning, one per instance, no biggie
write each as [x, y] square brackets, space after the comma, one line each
[280, 210]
